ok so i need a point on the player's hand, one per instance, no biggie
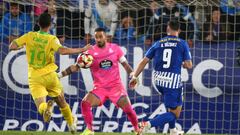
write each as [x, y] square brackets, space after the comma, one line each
[59, 75]
[133, 83]
[86, 47]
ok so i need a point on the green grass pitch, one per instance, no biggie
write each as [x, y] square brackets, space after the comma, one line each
[58, 133]
[68, 133]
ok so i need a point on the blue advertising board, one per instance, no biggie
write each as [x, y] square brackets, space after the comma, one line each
[211, 92]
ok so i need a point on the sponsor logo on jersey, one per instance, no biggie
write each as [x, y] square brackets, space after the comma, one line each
[105, 64]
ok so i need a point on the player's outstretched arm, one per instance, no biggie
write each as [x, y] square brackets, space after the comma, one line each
[13, 46]
[71, 69]
[127, 67]
[134, 76]
[66, 51]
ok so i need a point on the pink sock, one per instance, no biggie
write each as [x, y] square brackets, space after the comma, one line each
[132, 116]
[87, 113]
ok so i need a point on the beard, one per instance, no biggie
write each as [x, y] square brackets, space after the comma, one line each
[101, 44]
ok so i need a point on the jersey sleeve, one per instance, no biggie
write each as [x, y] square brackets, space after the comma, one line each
[21, 41]
[55, 44]
[119, 52]
[151, 51]
[186, 52]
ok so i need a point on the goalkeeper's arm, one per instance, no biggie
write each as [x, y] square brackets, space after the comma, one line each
[125, 64]
[71, 69]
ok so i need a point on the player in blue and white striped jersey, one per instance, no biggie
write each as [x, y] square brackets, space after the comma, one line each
[169, 54]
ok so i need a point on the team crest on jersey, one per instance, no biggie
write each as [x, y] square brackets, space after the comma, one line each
[105, 64]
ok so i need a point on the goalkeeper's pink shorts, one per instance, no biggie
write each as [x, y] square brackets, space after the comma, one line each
[111, 93]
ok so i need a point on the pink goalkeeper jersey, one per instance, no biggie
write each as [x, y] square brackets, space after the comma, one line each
[105, 67]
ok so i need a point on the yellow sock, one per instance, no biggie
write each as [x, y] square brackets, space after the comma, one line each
[42, 107]
[67, 114]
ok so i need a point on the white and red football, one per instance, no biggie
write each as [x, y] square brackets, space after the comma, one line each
[84, 60]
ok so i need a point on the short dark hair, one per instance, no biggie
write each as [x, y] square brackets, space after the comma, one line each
[44, 20]
[14, 4]
[174, 25]
[216, 9]
[100, 30]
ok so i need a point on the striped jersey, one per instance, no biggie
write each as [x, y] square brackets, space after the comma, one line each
[168, 54]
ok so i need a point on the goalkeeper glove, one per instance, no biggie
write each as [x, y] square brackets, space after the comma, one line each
[60, 75]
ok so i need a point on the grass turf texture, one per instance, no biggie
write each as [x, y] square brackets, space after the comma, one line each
[67, 133]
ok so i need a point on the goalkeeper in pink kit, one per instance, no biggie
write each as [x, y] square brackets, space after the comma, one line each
[107, 81]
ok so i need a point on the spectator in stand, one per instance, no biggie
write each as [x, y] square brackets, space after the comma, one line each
[100, 13]
[51, 9]
[2, 9]
[171, 11]
[126, 29]
[40, 6]
[216, 29]
[15, 23]
[232, 9]
[154, 6]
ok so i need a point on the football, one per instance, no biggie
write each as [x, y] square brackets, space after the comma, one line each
[84, 60]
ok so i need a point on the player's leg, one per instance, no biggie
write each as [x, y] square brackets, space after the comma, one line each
[125, 104]
[55, 91]
[39, 93]
[66, 112]
[173, 100]
[161, 120]
[177, 112]
[158, 121]
[119, 97]
[40, 104]
[44, 108]
[92, 99]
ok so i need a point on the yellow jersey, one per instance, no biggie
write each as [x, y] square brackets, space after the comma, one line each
[40, 49]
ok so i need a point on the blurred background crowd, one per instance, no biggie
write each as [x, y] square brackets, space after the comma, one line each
[144, 20]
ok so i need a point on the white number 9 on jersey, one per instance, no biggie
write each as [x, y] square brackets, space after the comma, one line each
[167, 54]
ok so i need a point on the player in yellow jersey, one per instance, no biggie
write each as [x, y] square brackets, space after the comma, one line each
[43, 80]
